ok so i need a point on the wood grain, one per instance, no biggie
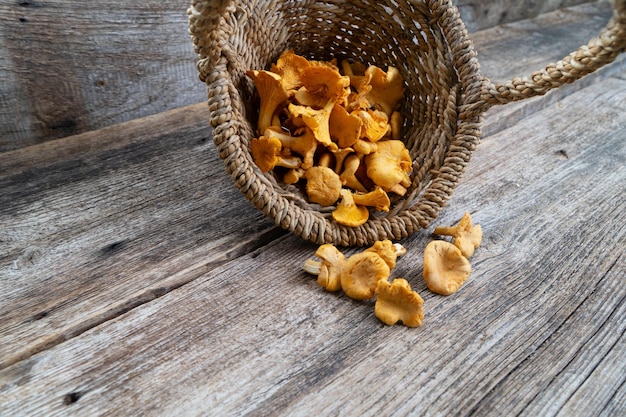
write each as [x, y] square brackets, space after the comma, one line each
[480, 15]
[534, 331]
[111, 220]
[508, 51]
[73, 66]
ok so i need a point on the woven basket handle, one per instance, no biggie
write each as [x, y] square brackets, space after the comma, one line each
[586, 59]
[204, 16]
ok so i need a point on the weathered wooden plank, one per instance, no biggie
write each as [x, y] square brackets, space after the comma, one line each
[256, 335]
[509, 50]
[72, 66]
[96, 224]
[480, 15]
[577, 369]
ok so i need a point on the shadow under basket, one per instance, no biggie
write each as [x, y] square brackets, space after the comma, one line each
[444, 102]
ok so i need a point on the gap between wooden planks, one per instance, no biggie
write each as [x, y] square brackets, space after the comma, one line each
[257, 335]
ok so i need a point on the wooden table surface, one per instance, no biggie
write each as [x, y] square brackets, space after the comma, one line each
[136, 280]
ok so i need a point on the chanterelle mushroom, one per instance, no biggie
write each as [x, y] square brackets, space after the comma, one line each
[266, 154]
[353, 68]
[291, 68]
[466, 236]
[396, 302]
[375, 124]
[445, 267]
[272, 95]
[376, 198]
[361, 274]
[323, 185]
[396, 125]
[293, 175]
[340, 156]
[364, 147]
[348, 176]
[317, 121]
[320, 84]
[304, 145]
[344, 127]
[328, 271]
[388, 251]
[359, 101]
[389, 165]
[387, 88]
[348, 213]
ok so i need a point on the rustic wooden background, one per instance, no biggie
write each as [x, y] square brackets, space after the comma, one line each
[135, 280]
[69, 66]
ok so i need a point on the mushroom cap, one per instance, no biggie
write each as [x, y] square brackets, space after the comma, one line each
[316, 120]
[388, 251]
[266, 154]
[375, 124]
[344, 127]
[323, 185]
[387, 88]
[332, 265]
[396, 302]
[291, 68]
[330, 64]
[361, 274]
[320, 84]
[305, 98]
[469, 240]
[389, 165]
[445, 267]
[359, 100]
[349, 214]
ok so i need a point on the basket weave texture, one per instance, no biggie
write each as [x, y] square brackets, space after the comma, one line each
[445, 98]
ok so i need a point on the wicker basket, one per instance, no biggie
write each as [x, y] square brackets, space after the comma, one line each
[445, 98]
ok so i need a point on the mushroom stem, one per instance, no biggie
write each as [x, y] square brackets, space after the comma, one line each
[346, 68]
[312, 267]
[325, 160]
[348, 176]
[445, 230]
[400, 250]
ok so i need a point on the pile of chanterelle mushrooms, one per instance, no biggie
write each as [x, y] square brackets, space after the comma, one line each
[366, 274]
[335, 129]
